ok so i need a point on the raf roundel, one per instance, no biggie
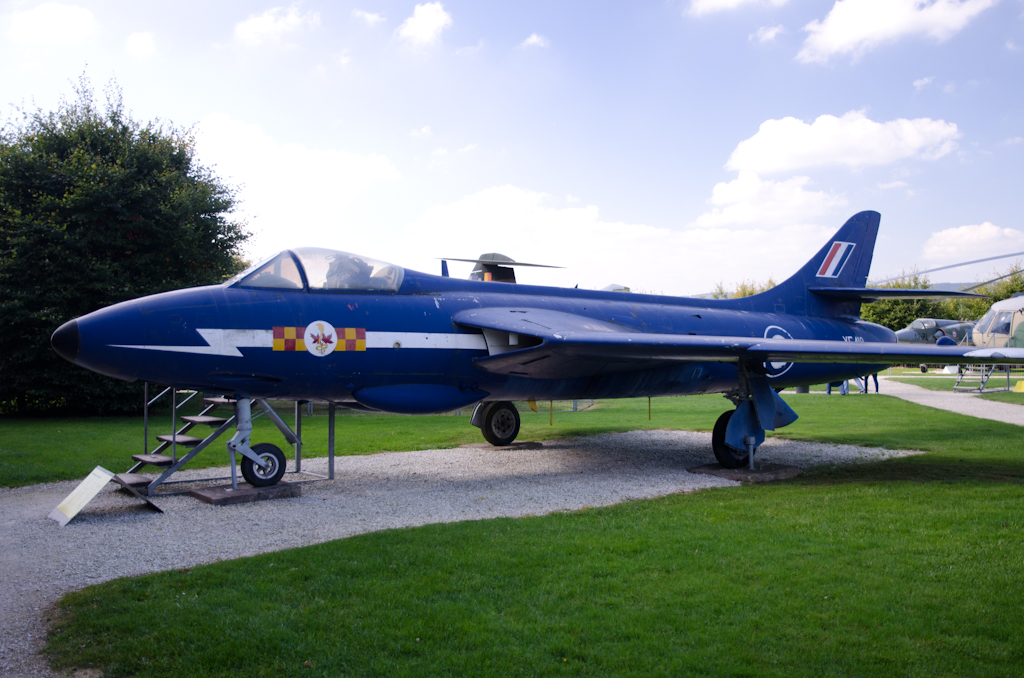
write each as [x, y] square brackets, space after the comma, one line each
[321, 338]
[776, 369]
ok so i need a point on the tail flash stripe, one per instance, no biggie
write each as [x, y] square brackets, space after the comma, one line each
[828, 260]
[836, 259]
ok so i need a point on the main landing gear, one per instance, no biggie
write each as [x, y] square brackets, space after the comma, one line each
[738, 434]
[498, 421]
[727, 456]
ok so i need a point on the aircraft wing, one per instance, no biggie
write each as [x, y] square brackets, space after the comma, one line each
[574, 346]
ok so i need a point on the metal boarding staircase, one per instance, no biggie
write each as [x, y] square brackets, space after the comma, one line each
[975, 378]
[171, 463]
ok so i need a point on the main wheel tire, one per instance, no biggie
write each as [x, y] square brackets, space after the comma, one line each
[264, 477]
[501, 424]
[726, 455]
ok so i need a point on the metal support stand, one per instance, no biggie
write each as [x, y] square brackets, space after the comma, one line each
[239, 443]
[298, 436]
[145, 417]
[330, 440]
[749, 442]
[174, 424]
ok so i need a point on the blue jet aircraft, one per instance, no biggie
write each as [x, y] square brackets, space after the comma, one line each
[319, 324]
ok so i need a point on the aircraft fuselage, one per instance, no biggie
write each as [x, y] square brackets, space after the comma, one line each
[234, 340]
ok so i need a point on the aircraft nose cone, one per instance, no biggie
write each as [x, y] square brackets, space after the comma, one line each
[67, 340]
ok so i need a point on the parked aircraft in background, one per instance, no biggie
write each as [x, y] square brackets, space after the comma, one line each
[930, 330]
[1003, 325]
[319, 324]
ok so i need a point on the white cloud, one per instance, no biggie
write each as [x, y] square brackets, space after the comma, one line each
[535, 41]
[425, 25]
[1012, 141]
[698, 7]
[440, 151]
[853, 27]
[751, 200]
[467, 149]
[597, 252]
[291, 194]
[950, 88]
[766, 33]
[923, 82]
[849, 141]
[975, 241]
[424, 131]
[470, 49]
[140, 44]
[343, 59]
[52, 24]
[369, 17]
[893, 184]
[273, 25]
[1012, 46]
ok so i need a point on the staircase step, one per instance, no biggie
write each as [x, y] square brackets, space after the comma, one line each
[219, 400]
[136, 480]
[185, 441]
[205, 419]
[153, 459]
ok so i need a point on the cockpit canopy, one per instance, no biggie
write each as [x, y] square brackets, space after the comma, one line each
[318, 269]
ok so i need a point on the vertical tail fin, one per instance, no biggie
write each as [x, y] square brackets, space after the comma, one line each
[843, 261]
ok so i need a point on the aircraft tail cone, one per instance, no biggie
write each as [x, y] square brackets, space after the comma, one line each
[66, 341]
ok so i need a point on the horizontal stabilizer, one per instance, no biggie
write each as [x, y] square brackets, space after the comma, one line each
[868, 295]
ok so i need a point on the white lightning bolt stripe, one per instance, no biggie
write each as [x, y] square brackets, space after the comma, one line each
[448, 340]
[227, 342]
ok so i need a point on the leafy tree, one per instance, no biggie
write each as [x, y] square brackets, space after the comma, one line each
[898, 313]
[96, 208]
[744, 289]
[1003, 286]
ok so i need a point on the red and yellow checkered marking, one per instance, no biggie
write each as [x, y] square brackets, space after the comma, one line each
[289, 338]
[351, 338]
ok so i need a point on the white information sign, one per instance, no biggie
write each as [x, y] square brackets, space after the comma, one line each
[81, 496]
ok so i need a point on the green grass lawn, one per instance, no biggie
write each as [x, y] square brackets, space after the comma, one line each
[913, 566]
[947, 383]
[46, 450]
[1005, 397]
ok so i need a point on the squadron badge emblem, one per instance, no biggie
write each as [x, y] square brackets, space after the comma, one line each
[320, 338]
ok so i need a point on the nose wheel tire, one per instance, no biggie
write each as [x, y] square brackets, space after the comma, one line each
[272, 473]
[501, 424]
[727, 456]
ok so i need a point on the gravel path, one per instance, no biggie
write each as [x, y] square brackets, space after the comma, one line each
[961, 403]
[115, 537]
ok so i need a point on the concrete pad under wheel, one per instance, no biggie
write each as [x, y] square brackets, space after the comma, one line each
[764, 472]
[529, 445]
[223, 495]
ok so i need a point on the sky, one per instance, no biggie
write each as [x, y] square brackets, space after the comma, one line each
[666, 146]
